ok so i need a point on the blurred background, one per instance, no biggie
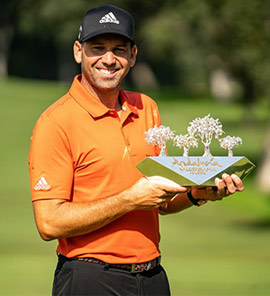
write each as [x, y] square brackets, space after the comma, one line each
[195, 57]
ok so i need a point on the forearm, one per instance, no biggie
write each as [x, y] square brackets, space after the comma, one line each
[59, 218]
[177, 204]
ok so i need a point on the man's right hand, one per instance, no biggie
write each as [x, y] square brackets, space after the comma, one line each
[153, 192]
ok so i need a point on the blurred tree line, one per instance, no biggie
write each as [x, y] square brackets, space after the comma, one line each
[221, 45]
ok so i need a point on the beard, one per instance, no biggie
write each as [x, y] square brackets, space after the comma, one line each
[106, 84]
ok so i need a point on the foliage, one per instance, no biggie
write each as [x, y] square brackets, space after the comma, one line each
[200, 36]
[184, 41]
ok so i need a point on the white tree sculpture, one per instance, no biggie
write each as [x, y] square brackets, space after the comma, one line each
[186, 141]
[159, 136]
[230, 143]
[205, 128]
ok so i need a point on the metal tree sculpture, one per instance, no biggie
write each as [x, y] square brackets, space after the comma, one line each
[205, 128]
[159, 136]
[186, 141]
[230, 143]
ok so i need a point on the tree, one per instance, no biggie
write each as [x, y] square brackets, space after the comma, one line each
[8, 14]
[230, 143]
[186, 141]
[199, 36]
[184, 41]
[205, 128]
[55, 24]
[159, 136]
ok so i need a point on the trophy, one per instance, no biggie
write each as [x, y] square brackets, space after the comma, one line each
[194, 170]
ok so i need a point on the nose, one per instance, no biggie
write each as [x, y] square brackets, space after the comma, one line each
[108, 58]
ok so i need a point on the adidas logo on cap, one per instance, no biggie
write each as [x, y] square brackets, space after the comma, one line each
[109, 18]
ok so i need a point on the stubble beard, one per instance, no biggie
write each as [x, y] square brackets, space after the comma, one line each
[106, 84]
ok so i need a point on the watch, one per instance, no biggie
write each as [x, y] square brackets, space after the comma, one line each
[196, 202]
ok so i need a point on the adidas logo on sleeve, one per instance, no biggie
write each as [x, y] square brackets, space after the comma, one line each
[109, 18]
[42, 185]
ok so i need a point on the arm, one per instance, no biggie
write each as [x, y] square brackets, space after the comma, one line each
[177, 204]
[224, 187]
[56, 218]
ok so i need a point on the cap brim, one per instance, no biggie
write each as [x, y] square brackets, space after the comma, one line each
[101, 32]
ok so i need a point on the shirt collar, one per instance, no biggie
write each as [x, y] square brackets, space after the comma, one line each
[92, 105]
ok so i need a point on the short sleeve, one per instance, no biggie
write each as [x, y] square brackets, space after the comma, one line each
[50, 162]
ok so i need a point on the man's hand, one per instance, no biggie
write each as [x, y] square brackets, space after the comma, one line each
[224, 187]
[153, 192]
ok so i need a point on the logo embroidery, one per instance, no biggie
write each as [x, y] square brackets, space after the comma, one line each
[42, 184]
[80, 32]
[109, 18]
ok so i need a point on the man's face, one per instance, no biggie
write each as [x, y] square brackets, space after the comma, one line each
[105, 61]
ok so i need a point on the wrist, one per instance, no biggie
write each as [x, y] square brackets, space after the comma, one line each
[195, 201]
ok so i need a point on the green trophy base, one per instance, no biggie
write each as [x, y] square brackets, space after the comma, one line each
[194, 170]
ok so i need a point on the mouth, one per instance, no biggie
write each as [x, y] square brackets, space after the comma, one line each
[107, 72]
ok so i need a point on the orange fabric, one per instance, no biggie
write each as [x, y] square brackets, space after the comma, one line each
[81, 151]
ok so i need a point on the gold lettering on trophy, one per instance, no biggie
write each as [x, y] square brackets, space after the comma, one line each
[198, 166]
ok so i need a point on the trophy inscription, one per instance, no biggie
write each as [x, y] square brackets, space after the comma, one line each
[194, 170]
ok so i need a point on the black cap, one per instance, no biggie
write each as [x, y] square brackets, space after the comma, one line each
[106, 19]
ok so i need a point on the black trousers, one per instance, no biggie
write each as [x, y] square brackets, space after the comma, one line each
[73, 277]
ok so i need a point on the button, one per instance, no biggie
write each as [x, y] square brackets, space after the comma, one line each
[112, 113]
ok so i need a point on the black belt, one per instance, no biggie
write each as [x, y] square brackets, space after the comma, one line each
[134, 268]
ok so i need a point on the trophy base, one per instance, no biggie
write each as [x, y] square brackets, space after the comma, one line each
[194, 170]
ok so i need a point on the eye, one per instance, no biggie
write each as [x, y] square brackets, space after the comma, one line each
[97, 49]
[120, 50]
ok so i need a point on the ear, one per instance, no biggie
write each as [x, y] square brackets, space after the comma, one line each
[77, 51]
[134, 51]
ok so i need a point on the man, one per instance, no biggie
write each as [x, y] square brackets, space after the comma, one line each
[85, 188]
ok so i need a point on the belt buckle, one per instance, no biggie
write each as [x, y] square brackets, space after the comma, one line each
[148, 267]
[133, 266]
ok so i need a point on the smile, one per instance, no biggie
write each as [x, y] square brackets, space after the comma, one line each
[107, 71]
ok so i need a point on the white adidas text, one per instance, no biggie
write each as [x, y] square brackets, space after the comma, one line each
[42, 184]
[109, 18]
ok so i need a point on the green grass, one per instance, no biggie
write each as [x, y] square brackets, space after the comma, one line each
[221, 248]
[212, 251]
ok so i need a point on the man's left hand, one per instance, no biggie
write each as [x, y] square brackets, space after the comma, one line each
[226, 186]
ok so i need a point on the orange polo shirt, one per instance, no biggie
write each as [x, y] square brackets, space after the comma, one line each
[81, 151]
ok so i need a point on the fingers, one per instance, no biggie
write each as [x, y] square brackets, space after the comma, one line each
[237, 182]
[228, 181]
[220, 184]
[233, 183]
[166, 185]
[228, 185]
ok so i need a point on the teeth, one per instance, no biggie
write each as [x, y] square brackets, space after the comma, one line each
[106, 71]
